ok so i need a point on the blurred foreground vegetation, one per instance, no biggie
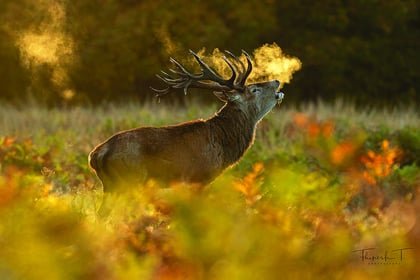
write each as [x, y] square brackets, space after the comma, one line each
[87, 51]
[320, 184]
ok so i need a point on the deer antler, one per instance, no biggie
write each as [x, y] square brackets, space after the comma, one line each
[208, 78]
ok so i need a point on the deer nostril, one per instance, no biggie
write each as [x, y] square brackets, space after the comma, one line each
[279, 95]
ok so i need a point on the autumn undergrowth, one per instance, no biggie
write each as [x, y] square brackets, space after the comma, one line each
[326, 192]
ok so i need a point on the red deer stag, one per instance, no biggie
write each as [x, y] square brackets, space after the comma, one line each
[195, 151]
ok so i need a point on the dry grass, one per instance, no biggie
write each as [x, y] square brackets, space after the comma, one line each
[32, 119]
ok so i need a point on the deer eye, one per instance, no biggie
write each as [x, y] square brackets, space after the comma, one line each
[256, 90]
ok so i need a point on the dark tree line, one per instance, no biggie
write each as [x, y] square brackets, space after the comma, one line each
[363, 51]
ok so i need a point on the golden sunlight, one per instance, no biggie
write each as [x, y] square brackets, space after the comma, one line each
[269, 63]
[47, 44]
[43, 48]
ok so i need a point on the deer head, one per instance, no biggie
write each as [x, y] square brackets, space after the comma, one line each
[195, 151]
[257, 98]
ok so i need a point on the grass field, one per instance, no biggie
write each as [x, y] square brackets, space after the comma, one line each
[326, 192]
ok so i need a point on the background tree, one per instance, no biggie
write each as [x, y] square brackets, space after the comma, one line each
[364, 51]
[359, 50]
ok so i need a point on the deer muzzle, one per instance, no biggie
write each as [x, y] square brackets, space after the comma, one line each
[279, 96]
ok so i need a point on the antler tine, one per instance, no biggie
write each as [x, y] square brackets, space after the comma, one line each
[236, 62]
[244, 73]
[248, 69]
[160, 92]
[208, 74]
[171, 81]
[234, 70]
[164, 91]
[207, 78]
[168, 78]
[184, 73]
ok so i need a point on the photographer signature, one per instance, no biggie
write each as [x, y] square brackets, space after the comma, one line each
[372, 256]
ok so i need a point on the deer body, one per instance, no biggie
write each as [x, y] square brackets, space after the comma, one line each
[192, 152]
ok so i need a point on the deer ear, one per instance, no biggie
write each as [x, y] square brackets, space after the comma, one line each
[226, 97]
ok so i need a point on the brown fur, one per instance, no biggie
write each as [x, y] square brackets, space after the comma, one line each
[193, 152]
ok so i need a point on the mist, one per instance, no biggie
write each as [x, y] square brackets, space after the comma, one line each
[46, 43]
[269, 63]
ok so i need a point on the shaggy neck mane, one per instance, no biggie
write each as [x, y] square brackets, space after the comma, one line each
[233, 130]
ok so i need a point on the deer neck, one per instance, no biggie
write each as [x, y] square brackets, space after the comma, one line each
[234, 130]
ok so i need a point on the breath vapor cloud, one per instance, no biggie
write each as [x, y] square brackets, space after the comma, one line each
[269, 63]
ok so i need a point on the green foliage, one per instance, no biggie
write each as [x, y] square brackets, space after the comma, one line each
[309, 193]
[408, 139]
